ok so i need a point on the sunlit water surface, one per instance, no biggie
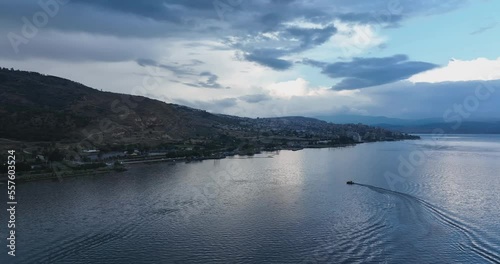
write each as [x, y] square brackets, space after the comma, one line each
[426, 201]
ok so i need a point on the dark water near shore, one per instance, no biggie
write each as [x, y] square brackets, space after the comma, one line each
[291, 207]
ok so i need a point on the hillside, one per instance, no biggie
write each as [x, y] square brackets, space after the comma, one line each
[36, 107]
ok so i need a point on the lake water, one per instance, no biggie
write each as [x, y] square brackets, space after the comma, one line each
[292, 207]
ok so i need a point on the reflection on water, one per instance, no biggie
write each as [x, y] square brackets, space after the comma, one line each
[413, 210]
[293, 207]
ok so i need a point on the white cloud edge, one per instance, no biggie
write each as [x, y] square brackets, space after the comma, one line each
[479, 69]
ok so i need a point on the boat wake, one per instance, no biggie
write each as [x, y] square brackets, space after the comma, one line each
[472, 240]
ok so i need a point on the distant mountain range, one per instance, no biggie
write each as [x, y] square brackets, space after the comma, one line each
[376, 120]
[427, 125]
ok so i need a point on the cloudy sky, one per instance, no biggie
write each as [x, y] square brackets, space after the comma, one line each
[397, 58]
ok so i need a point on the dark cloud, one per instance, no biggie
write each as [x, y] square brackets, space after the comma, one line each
[154, 9]
[200, 19]
[271, 62]
[310, 37]
[210, 83]
[285, 2]
[76, 48]
[196, 4]
[228, 102]
[247, 16]
[366, 72]
[297, 40]
[314, 63]
[255, 98]
[146, 62]
[186, 71]
[179, 70]
[271, 21]
[92, 17]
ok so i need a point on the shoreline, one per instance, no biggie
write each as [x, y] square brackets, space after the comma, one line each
[21, 178]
